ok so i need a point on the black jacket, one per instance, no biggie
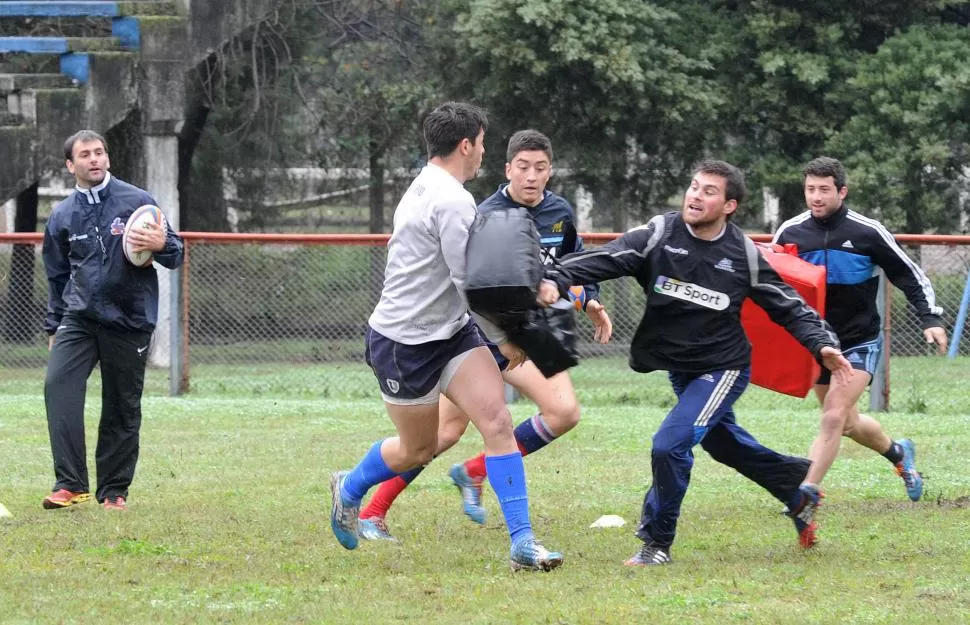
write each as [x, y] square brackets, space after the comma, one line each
[695, 289]
[87, 272]
[851, 247]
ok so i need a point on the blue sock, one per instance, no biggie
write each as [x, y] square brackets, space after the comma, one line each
[369, 471]
[533, 434]
[506, 474]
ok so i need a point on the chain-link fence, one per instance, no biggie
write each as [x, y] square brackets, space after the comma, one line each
[296, 302]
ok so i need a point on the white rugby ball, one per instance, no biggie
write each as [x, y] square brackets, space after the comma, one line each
[142, 216]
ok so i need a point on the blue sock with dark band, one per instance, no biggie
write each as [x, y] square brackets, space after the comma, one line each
[533, 434]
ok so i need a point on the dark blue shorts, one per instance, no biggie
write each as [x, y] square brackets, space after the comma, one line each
[862, 357]
[500, 360]
[416, 374]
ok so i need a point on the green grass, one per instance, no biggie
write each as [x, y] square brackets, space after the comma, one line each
[229, 515]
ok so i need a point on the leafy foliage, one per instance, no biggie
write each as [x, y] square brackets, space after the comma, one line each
[631, 92]
[609, 80]
[906, 142]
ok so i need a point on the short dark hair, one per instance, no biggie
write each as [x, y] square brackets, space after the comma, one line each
[734, 177]
[449, 123]
[823, 167]
[529, 139]
[81, 136]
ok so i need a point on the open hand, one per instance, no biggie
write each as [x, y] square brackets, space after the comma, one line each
[601, 321]
[834, 361]
[938, 336]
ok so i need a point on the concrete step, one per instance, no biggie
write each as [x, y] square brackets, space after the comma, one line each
[29, 64]
[11, 119]
[95, 44]
[17, 82]
[149, 8]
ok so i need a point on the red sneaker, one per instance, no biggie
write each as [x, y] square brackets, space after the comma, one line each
[115, 503]
[63, 498]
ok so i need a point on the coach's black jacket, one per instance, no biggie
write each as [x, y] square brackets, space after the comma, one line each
[695, 289]
[87, 272]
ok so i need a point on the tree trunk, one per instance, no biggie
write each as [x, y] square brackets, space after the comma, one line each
[375, 198]
[20, 318]
[203, 205]
[376, 191]
[126, 147]
[791, 200]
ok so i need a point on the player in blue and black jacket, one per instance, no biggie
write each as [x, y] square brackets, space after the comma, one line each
[696, 269]
[101, 309]
[854, 249]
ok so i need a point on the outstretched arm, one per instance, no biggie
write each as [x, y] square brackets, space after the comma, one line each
[624, 256]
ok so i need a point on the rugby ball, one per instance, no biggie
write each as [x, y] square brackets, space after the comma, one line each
[142, 216]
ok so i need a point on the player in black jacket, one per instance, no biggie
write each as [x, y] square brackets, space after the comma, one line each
[853, 249]
[101, 309]
[696, 269]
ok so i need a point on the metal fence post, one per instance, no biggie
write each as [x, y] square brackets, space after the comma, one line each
[961, 319]
[511, 393]
[879, 389]
[175, 367]
[178, 373]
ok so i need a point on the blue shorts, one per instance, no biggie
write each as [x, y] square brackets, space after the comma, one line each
[500, 360]
[862, 357]
[416, 374]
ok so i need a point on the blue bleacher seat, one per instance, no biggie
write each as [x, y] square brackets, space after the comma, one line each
[17, 8]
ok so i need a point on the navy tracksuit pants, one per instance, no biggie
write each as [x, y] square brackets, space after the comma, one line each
[703, 414]
[79, 345]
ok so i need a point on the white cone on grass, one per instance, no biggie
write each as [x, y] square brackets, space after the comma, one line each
[609, 520]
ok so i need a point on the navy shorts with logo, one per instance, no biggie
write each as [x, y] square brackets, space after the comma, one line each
[411, 374]
[862, 357]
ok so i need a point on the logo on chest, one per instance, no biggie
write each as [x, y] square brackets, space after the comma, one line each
[725, 264]
[692, 293]
[117, 227]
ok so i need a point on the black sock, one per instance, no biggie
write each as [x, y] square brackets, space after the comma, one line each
[894, 454]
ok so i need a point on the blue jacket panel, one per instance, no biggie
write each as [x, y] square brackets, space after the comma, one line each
[87, 272]
[555, 222]
[852, 248]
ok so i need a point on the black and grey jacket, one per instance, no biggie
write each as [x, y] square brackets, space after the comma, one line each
[695, 289]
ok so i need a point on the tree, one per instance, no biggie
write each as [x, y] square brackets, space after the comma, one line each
[793, 62]
[611, 82]
[370, 84]
[906, 141]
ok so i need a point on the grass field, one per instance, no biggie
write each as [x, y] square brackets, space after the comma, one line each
[229, 515]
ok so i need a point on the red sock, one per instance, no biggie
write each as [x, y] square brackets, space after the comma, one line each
[476, 466]
[386, 493]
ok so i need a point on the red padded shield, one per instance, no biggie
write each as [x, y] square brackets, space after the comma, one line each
[778, 361]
